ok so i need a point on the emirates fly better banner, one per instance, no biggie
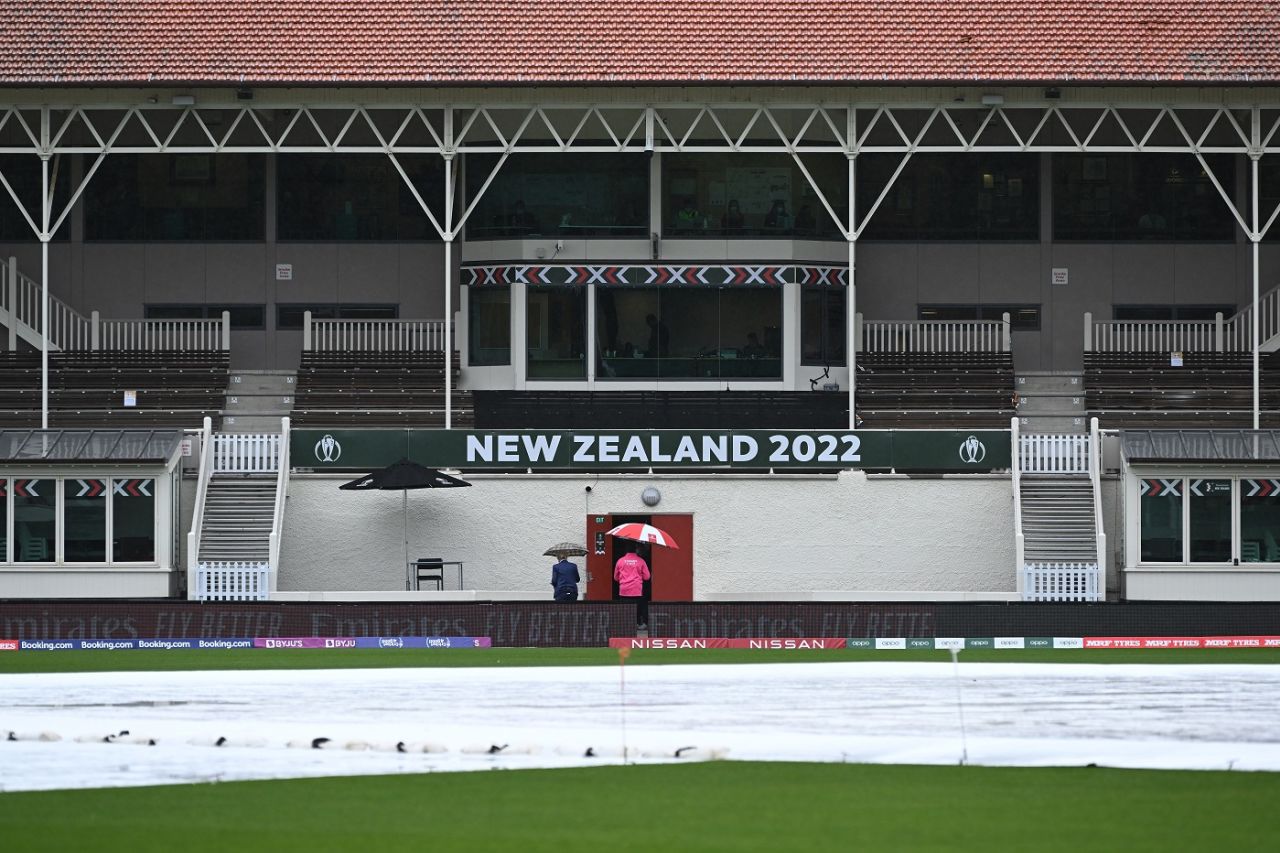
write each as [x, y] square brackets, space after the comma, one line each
[900, 450]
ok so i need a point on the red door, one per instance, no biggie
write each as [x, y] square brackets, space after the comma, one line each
[672, 569]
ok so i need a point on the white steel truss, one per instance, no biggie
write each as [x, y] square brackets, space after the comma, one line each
[794, 129]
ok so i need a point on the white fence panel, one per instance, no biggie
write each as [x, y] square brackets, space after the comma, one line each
[246, 454]
[934, 336]
[1053, 454]
[377, 335]
[225, 581]
[150, 335]
[1155, 336]
[1062, 582]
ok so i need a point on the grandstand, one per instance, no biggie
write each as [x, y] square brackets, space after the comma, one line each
[402, 253]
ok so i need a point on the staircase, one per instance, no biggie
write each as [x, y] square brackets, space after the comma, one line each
[257, 400]
[239, 511]
[233, 548]
[1057, 519]
[1058, 516]
[1050, 402]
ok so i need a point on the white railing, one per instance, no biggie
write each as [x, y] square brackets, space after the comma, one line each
[226, 581]
[1233, 334]
[932, 335]
[246, 454]
[1019, 539]
[197, 514]
[282, 494]
[1061, 582]
[162, 334]
[1053, 454]
[371, 335]
[1095, 481]
[22, 298]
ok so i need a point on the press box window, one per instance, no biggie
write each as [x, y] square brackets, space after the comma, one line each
[292, 316]
[489, 326]
[246, 317]
[1022, 318]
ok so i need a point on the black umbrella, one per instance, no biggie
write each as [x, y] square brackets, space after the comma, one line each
[400, 477]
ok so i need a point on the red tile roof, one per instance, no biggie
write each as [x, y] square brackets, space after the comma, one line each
[478, 42]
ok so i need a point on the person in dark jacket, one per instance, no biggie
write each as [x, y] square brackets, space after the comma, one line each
[564, 580]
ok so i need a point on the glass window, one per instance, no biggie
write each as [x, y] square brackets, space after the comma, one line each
[978, 196]
[746, 195]
[582, 195]
[1171, 312]
[22, 171]
[1259, 520]
[133, 521]
[489, 326]
[34, 520]
[1140, 197]
[339, 197]
[84, 538]
[241, 316]
[556, 332]
[689, 333]
[1022, 318]
[1160, 504]
[1210, 521]
[159, 197]
[292, 316]
[822, 326]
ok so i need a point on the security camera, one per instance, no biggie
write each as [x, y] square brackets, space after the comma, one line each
[588, 489]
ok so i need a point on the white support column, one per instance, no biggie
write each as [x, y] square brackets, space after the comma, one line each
[448, 319]
[95, 330]
[1255, 235]
[226, 331]
[44, 274]
[306, 331]
[851, 291]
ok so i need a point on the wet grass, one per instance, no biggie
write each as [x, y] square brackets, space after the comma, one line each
[721, 806]
[229, 659]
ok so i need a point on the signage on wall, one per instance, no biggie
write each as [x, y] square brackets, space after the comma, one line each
[899, 450]
[1059, 275]
[130, 399]
[284, 272]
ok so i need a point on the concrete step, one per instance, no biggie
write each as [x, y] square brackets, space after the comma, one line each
[1066, 424]
[240, 403]
[1062, 405]
[1033, 382]
[251, 423]
[261, 382]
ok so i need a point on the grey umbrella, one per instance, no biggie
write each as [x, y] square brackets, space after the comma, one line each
[400, 477]
[565, 549]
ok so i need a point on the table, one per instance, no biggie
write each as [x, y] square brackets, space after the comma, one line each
[431, 570]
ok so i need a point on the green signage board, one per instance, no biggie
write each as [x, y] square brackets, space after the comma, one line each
[602, 450]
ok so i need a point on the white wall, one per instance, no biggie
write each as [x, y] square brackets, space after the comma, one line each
[752, 534]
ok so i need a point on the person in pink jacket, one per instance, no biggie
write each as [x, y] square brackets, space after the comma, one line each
[631, 571]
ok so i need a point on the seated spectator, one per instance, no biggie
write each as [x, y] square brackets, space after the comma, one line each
[522, 221]
[805, 223]
[733, 220]
[687, 217]
[777, 218]
[753, 349]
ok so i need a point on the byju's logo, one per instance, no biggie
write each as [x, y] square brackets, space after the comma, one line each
[328, 449]
[972, 451]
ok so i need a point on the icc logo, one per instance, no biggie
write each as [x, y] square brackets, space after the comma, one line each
[328, 449]
[972, 451]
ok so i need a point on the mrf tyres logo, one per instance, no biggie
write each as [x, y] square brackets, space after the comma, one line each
[972, 451]
[328, 449]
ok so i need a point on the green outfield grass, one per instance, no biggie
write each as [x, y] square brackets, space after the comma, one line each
[722, 806]
[181, 659]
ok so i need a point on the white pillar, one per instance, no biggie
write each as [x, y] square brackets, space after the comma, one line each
[1255, 235]
[851, 295]
[448, 321]
[44, 286]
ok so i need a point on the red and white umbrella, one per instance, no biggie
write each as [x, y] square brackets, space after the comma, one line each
[644, 533]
